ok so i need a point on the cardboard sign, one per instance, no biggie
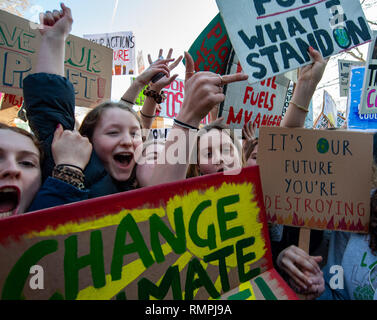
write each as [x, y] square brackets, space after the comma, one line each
[159, 134]
[369, 95]
[322, 122]
[212, 48]
[272, 37]
[87, 65]
[123, 45]
[308, 180]
[329, 108]
[344, 67]
[341, 120]
[11, 100]
[193, 239]
[261, 103]
[355, 120]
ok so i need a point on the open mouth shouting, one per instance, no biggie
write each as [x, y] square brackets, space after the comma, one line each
[123, 159]
[9, 201]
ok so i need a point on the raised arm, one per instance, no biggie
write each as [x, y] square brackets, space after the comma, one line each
[308, 79]
[55, 27]
[203, 91]
[144, 78]
[148, 111]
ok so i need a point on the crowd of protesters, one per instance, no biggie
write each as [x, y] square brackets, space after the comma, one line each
[111, 152]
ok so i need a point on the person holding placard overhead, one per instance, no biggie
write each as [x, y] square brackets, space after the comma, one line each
[303, 271]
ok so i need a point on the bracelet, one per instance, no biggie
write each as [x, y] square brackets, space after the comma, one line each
[126, 101]
[146, 116]
[300, 107]
[157, 97]
[69, 175]
[184, 125]
[70, 165]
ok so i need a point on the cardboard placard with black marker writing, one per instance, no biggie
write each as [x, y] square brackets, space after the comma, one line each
[87, 65]
[317, 179]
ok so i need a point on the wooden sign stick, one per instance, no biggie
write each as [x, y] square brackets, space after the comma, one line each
[304, 239]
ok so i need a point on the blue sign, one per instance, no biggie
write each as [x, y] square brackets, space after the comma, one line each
[356, 120]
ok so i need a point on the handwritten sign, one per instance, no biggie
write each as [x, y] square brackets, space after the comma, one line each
[344, 67]
[261, 103]
[197, 238]
[272, 37]
[355, 120]
[212, 48]
[369, 95]
[322, 122]
[10, 100]
[329, 109]
[123, 45]
[307, 180]
[87, 65]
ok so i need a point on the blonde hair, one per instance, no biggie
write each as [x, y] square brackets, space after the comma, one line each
[193, 170]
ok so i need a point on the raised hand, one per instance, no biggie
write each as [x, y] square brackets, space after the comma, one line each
[69, 147]
[249, 139]
[158, 66]
[56, 22]
[313, 72]
[166, 80]
[203, 91]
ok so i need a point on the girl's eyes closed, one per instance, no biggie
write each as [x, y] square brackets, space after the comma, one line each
[112, 132]
[28, 163]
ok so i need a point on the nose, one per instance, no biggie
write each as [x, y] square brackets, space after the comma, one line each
[9, 170]
[126, 139]
[217, 157]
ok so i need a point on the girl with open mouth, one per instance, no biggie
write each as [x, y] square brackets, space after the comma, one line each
[102, 160]
[20, 170]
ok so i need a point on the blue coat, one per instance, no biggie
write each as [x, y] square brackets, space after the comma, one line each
[49, 100]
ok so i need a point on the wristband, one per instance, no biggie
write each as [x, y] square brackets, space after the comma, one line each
[126, 101]
[300, 107]
[184, 125]
[69, 165]
[157, 97]
[146, 116]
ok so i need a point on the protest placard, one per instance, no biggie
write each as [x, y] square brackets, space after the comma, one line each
[261, 103]
[368, 102]
[272, 37]
[123, 46]
[159, 134]
[193, 239]
[211, 50]
[344, 67]
[87, 65]
[355, 120]
[10, 100]
[329, 109]
[322, 122]
[341, 120]
[308, 178]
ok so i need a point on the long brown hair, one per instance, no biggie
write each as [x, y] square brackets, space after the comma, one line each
[193, 169]
[92, 118]
[26, 134]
